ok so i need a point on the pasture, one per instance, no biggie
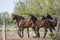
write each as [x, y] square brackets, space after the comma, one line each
[0, 32]
[11, 34]
[17, 11]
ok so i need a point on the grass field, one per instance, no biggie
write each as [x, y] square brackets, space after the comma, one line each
[11, 34]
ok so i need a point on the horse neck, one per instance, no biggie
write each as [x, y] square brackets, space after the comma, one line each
[17, 20]
[32, 21]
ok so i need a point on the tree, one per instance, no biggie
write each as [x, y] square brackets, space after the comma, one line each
[36, 7]
[58, 22]
[6, 16]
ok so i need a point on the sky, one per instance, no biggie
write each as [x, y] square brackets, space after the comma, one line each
[7, 5]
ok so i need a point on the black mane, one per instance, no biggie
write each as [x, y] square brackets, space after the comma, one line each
[43, 18]
[33, 18]
[48, 16]
[19, 17]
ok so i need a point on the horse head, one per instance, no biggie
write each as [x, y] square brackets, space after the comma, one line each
[13, 17]
[17, 17]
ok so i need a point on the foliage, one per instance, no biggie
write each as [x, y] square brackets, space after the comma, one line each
[4, 15]
[37, 7]
[57, 38]
[51, 35]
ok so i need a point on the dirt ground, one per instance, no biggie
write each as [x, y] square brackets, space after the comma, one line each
[12, 35]
[0, 35]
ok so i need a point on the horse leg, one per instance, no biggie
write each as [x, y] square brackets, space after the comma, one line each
[45, 32]
[54, 28]
[28, 32]
[19, 32]
[51, 32]
[22, 32]
[34, 31]
[37, 32]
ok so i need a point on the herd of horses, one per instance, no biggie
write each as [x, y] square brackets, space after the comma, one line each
[35, 24]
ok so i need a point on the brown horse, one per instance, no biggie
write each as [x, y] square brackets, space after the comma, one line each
[22, 24]
[31, 22]
[18, 20]
[46, 24]
[34, 23]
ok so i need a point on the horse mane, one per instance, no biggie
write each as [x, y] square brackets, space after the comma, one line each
[33, 18]
[49, 16]
[43, 18]
[20, 17]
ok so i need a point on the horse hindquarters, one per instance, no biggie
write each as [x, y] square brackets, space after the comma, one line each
[53, 24]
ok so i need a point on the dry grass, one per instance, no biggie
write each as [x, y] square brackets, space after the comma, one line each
[12, 35]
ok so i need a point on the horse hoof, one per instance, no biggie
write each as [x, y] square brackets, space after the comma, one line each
[28, 36]
[43, 37]
[21, 36]
[39, 37]
[36, 37]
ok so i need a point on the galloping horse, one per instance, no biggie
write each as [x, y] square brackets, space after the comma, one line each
[52, 21]
[22, 24]
[43, 23]
[18, 20]
[46, 24]
[33, 23]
